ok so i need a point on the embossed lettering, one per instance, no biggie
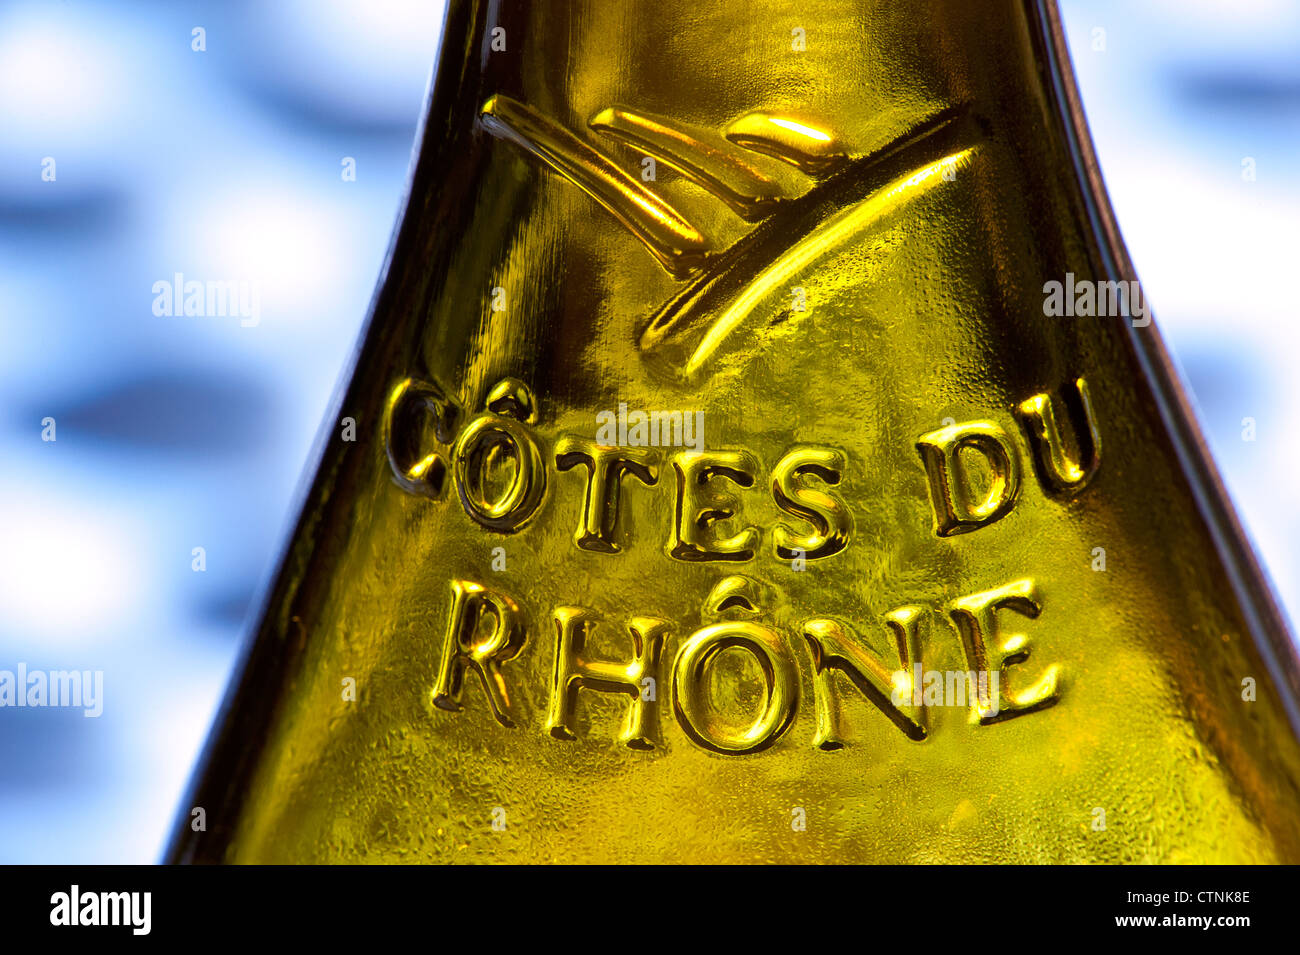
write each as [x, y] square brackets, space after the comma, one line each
[824, 511]
[989, 649]
[488, 442]
[697, 513]
[410, 405]
[571, 673]
[466, 646]
[1057, 469]
[836, 647]
[605, 469]
[691, 687]
[955, 510]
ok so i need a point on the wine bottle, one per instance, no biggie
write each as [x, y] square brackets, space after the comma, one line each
[759, 449]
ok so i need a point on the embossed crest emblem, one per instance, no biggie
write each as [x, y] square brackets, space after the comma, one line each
[832, 200]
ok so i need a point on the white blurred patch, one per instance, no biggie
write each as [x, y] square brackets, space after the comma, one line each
[69, 573]
[68, 90]
[57, 75]
[289, 244]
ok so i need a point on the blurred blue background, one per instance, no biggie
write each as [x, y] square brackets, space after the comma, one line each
[183, 432]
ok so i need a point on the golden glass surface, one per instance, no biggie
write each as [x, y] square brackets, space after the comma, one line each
[708, 409]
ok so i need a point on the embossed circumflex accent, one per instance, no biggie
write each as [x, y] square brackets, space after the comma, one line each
[688, 331]
[673, 240]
